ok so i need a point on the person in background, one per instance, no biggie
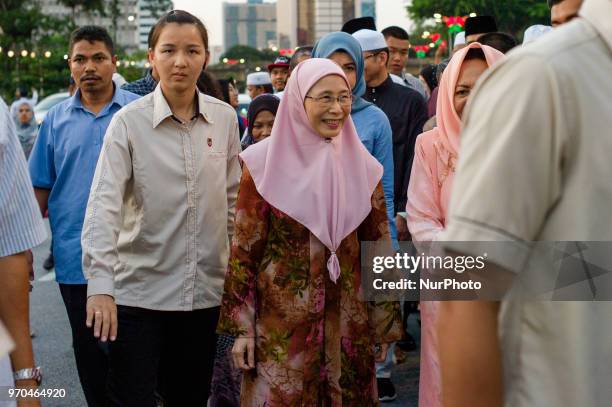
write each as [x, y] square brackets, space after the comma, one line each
[301, 54]
[476, 27]
[208, 85]
[371, 123]
[359, 23]
[279, 73]
[72, 87]
[21, 229]
[22, 96]
[62, 166]
[428, 79]
[500, 41]
[26, 127]
[435, 158]
[563, 11]
[261, 115]
[304, 335]
[398, 43]
[539, 173]
[406, 110]
[229, 90]
[158, 225]
[146, 84]
[258, 83]
[534, 32]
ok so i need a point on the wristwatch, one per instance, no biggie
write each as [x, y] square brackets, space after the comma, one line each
[33, 373]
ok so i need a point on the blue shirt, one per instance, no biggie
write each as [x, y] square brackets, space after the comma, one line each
[374, 131]
[21, 225]
[142, 86]
[64, 161]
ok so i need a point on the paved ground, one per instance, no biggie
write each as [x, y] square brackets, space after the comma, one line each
[53, 349]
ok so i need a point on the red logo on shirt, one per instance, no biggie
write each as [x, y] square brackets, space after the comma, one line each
[209, 141]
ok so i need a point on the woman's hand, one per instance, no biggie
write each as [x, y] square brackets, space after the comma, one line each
[243, 353]
[381, 352]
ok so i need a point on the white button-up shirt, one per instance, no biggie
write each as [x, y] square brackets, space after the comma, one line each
[535, 165]
[161, 209]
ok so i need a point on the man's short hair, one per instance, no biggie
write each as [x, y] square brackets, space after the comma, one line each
[552, 3]
[91, 33]
[500, 41]
[395, 32]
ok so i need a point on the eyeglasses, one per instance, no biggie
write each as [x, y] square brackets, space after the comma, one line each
[328, 101]
[372, 55]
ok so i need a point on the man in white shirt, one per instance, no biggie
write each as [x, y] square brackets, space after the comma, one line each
[534, 166]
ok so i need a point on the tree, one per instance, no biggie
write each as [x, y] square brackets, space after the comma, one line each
[512, 16]
[87, 6]
[158, 7]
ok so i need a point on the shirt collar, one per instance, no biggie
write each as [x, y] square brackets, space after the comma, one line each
[598, 12]
[119, 98]
[387, 83]
[161, 110]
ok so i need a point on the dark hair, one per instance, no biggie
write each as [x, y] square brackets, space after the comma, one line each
[441, 68]
[396, 32]
[307, 49]
[208, 85]
[500, 41]
[178, 17]
[268, 88]
[552, 3]
[475, 53]
[91, 33]
[224, 84]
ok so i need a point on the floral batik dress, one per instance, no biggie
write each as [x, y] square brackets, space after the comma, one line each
[314, 339]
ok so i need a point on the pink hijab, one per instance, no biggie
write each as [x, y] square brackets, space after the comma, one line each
[325, 186]
[449, 123]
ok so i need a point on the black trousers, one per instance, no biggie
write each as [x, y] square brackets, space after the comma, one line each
[90, 354]
[167, 351]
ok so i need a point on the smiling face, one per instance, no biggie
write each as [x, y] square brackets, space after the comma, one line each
[262, 125]
[469, 74]
[279, 76]
[325, 112]
[179, 56]
[347, 64]
[92, 66]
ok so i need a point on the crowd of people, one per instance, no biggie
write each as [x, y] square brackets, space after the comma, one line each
[204, 257]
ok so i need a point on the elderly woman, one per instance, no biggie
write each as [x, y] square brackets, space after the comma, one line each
[309, 195]
[433, 169]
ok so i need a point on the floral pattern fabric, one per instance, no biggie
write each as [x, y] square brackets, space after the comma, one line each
[314, 339]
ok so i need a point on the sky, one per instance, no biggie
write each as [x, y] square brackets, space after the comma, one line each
[389, 12]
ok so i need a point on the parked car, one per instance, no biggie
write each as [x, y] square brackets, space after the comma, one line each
[42, 107]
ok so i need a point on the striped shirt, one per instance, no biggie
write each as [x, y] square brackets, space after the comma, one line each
[21, 225]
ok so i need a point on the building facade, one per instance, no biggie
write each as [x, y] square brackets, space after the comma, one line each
[304, 22]
[134, 20]
[252, 24]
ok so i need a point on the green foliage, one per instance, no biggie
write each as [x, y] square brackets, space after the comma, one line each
[512, 16]
[251, 55]
[158, 7]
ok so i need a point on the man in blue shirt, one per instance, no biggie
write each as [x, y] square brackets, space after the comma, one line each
[62, 166]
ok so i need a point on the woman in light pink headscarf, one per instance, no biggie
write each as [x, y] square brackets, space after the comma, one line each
[433, 169]
[309, 194]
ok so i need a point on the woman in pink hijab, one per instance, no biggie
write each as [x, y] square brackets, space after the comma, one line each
[433, 170]
[309, 194]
